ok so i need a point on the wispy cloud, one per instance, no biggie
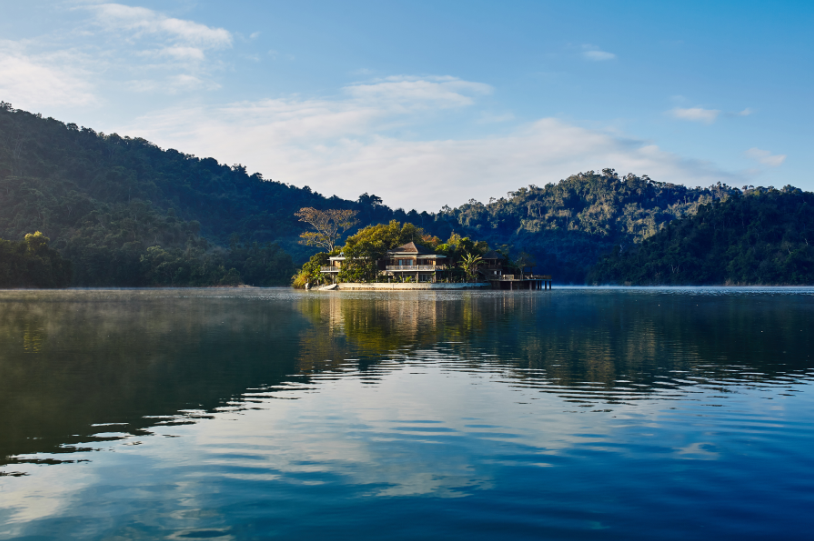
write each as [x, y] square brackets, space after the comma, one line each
[418, 92]
[34, 80]
[180, 53]
[140, 22]
[765, 157]
[595, 54]
[343, 146]
[695, 114]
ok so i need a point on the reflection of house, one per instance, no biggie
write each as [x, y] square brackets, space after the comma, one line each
[407, 261]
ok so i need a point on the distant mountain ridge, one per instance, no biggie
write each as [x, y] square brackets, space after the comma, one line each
[93, 194]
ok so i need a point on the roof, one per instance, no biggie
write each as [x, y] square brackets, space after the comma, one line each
[410, 248]
[492, 255]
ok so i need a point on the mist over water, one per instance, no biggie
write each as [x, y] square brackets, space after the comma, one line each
[257, 413]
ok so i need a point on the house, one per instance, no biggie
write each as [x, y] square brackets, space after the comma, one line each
[406, 261]
[492, 268]
[414, 262]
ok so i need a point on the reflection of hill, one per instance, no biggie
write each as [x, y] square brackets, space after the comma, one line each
[70, 360]
[617, 340]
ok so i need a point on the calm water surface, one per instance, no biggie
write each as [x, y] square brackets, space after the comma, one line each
[270, 413]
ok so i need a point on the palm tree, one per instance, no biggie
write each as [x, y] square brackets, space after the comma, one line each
[470, 263]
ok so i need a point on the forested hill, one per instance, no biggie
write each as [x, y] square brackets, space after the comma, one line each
[60, 172]
[567, 226]
[762, 236]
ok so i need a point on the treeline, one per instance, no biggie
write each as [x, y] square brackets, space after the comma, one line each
[760, 236]
[32, 263]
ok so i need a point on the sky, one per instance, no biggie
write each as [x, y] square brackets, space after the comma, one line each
[428, 103]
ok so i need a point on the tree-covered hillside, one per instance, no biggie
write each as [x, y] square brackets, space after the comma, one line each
[567, 226]
[762, 236]
[55, 174]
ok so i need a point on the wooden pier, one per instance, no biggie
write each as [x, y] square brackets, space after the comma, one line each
[532, 282]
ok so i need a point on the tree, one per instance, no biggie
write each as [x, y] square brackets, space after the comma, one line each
[329, 225]
[37, 243]
[470, 263]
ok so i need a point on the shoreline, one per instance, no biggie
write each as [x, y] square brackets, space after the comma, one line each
[358, 286]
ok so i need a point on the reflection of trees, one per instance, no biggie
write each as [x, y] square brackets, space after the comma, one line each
[371, 328]
[614, 342]
[69, 360]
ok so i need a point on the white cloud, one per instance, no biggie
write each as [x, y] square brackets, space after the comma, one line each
[492, 118]
[765, 157]
[419, 92]
[343, 146]
[142, 21]
[745, 112]
[593, 53]
[695, 114]
[30, 81]
[182, 53]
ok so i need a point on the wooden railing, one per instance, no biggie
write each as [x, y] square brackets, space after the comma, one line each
[329, 269]
[524, 277]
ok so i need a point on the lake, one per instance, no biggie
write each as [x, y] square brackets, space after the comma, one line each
[577, 413]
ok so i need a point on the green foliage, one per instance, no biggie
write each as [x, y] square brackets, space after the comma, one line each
[469, 263]
[309, 273]
[760, 237]
[32, 263]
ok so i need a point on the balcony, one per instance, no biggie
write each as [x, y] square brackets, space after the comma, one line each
[329, 269]
[410, 268]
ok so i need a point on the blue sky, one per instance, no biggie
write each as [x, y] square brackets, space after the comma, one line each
[433, 103]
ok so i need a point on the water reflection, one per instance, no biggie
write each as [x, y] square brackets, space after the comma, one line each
[606, 340]
[70, 361]
[255, 413]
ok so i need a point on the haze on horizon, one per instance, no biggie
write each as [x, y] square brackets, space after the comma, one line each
[428, 104]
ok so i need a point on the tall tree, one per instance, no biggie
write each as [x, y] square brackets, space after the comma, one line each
[328, 225]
